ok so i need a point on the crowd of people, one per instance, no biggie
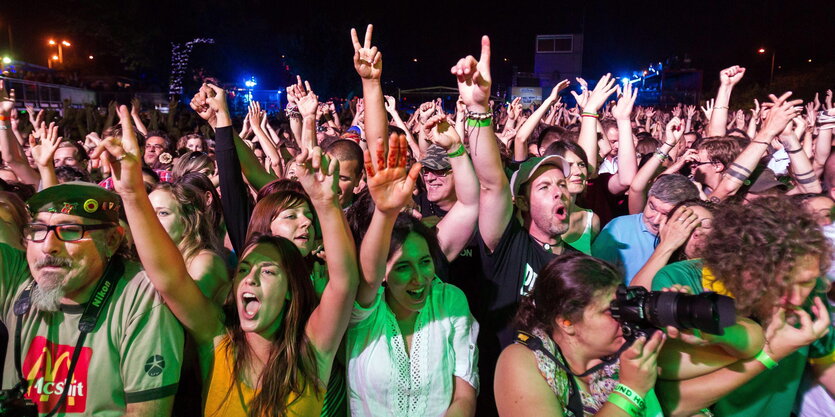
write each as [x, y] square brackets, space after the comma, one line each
[458, 260]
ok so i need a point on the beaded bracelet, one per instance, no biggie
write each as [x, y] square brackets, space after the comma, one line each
[479, 116]
[479, 122]
[458, 152]
[631, 396]
[766, 360]
[625, 405]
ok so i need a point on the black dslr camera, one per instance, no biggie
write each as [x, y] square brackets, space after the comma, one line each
[643, 312]
[13, 404]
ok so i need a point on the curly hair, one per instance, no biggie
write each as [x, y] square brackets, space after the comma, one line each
[753, 247]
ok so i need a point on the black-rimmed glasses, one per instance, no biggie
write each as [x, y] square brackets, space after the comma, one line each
[37, 232]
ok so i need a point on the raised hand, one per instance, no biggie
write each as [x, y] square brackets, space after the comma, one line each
[676, 111]
[604, 88]
[780, 113]
[707, 109]
[514, 109]
[828, 102]
[44, 152]
[690, 111]
[555, 92]
[439, 130]
[649, 112]
[6, 100]
[389, 103]
[309, 103]
[425, 111]
[674, 130]
[135, 107]
[755, 112]
[318, 174]
[124, 156]
[199, 105]
[623, 108]
[254, 113]
[474, 79]
[811, 115]
[295, 92]
[390, 185]
[729, 77]
[368, 61]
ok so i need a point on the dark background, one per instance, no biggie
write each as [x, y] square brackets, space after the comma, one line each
[133, 38]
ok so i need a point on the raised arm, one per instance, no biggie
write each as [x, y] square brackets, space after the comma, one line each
[523, 134]
[391, 189]
[258, 119]
[780, 114]
[800, 166]
[627, 162]
[168, 273]
[368, 62]
[44, 153]
[590, 103]
[391, 109]
[495, 208]
[135, 107]
[647, 173]
[9, 146]
[308, 104]
[728, 78]
[319, 175]
[457, 227]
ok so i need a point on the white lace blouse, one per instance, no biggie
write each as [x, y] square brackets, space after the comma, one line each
[384, 381]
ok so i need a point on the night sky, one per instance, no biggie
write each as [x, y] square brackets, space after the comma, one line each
[133, 39]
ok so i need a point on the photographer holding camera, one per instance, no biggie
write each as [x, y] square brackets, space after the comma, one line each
[778, 284]
[555, 368]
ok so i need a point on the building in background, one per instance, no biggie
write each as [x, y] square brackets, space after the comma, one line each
[557, 57]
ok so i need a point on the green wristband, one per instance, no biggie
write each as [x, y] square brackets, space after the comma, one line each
[480, 123]
[460, 151]
[625, 405]
[631, 396]
[766, 360]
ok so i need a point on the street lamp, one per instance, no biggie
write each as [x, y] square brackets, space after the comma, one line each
[61, 46]
[773, 54]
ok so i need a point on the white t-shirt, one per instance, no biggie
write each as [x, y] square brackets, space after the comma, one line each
[384, 380]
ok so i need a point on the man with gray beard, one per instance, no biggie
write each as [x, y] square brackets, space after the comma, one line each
[89, 335]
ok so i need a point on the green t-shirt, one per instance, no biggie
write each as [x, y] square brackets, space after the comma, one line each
[133, 355]
[774, 391]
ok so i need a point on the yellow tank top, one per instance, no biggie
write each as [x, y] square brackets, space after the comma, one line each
[221, 401]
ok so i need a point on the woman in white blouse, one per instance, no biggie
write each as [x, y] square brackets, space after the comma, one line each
[411, 345]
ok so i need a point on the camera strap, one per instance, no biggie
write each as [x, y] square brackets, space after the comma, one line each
[575, 402]
[92, 310]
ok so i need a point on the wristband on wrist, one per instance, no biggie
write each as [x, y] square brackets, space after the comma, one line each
[458, 152]
[625, 405]
[590, 114]
[3, 118]
[793, 151]
[766, 360]
[479, 116]
[720, 107]
[661, 155]
[631, 396]
[479, 122]
[670, 144]
[3, 127]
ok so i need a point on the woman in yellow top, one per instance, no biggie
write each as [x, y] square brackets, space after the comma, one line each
[273, 352]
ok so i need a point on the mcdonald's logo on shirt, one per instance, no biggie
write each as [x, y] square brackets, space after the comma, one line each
[46, 366]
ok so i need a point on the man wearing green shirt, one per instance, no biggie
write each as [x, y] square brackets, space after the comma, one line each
[776, 283]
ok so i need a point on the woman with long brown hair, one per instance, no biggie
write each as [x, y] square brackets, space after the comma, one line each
[274, 353]
[182, 211]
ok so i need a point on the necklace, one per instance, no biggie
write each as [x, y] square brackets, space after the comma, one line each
[547, 246]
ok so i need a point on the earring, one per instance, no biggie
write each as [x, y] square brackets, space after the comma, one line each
[566, 323]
